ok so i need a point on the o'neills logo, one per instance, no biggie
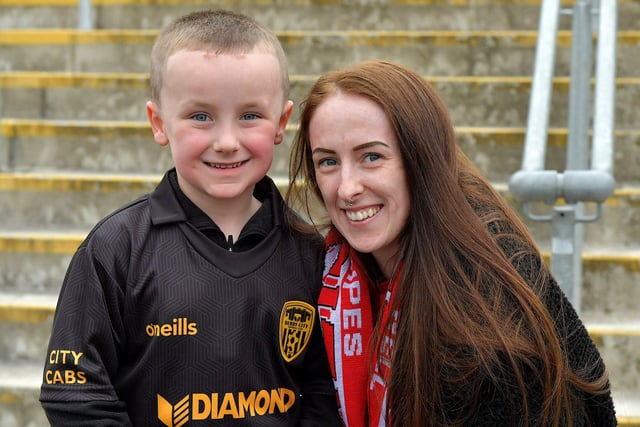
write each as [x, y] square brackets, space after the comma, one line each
[179, 326]
[296, 324]
[216, 406]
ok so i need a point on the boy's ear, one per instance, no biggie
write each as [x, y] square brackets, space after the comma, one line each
[282, 123]
[157, 124]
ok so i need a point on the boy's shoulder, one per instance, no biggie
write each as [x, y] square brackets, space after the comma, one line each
[121, 222]
[136, 216]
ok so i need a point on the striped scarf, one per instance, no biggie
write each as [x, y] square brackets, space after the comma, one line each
[347, 320]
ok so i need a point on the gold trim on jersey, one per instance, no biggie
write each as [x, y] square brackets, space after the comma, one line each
[217, 406]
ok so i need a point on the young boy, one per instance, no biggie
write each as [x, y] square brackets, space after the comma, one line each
[195, 304]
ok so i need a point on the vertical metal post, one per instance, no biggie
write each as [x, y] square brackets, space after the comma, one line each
[541, 88]
[605, 88]
[566, 262]
[2, 149]
[567, 229]
[85, 15]
[580, 88]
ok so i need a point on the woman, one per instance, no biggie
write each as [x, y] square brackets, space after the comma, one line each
[436, 306]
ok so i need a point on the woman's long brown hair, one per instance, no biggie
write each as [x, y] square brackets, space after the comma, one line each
[467, 315]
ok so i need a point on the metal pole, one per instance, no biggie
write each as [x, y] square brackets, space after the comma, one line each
[2, 148]
[604, 106]
[567, 231]
[85, 15]
[566, 260]
[580, 89]
[541, 87]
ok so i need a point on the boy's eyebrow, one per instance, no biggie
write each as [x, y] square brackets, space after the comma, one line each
[256, 105]
[247, 106]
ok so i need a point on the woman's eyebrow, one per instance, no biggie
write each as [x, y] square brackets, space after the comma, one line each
[321, 150]
[364, 146]
[368, 145]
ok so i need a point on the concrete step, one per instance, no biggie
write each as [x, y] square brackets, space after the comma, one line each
[300, 14]
[76, 145]
[99, 146]
[19, 392]
[79, 96]
[36, 262]
[481, 52]
[619, 346]
[489, 100]
[25, 323]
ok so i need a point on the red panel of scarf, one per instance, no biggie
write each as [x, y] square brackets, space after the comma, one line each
[346, 315]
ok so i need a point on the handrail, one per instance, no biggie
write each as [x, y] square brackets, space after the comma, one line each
[3, 155]
[541, 87]
[602, 153]
[584, 180]
[85, 15]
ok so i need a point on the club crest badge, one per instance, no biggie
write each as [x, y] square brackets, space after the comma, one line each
[296, 324]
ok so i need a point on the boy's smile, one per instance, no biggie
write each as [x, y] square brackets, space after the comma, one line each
[225, 166]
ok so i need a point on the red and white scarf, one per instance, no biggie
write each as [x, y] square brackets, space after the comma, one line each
[347, 320]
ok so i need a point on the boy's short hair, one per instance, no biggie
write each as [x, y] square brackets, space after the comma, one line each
[223, 32]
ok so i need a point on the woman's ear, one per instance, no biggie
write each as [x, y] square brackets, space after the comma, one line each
[157, 124]
[282, 123]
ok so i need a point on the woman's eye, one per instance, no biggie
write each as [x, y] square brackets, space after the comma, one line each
[371, 157]
[327, 162]
[200, 117]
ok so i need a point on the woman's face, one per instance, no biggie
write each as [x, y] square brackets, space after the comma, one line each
[357, 159]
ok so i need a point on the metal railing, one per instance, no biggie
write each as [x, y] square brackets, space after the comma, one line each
[85, 15]
[588, 176]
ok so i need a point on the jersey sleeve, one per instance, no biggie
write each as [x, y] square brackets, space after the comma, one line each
[83, 355]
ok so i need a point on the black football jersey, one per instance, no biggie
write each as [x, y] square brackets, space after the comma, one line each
[154, 315]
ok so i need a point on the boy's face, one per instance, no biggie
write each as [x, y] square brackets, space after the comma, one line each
[221, 115]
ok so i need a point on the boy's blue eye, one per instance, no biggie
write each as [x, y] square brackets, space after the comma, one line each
[249, 116]
[200, 117]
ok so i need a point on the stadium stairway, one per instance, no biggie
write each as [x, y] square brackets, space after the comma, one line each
[74, 142]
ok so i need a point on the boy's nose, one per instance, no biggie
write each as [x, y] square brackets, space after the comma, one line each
[226, 140]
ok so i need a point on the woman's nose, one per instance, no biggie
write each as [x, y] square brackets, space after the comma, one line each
[350, 185]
